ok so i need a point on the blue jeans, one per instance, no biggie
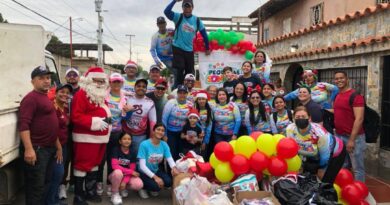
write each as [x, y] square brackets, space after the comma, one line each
[151, 185]
[356, 159]
[136, 141]
[56, 179]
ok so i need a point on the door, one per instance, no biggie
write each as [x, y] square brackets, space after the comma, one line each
[385, 134]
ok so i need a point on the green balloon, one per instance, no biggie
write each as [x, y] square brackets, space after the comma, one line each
[228, 45]
[249, 55]
[234, 40]
[240, 36]
[221, 41]
[211, 36]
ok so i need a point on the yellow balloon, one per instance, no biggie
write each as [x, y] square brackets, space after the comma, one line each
[224, 173]
[266, 172]
[214, 162]
[338, 190]
[266, 144]
[342, 202]
[278, 137]
[233, 144]
[294, 164]
[246, 146]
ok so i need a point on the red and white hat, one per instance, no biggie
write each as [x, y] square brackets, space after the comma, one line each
[95, 72]
[115, 77]
[130, 64]
[194, 112]
[202, 94]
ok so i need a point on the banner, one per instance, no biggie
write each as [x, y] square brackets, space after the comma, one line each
[210, 67]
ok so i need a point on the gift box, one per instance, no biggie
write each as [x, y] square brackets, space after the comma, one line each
[239, 196]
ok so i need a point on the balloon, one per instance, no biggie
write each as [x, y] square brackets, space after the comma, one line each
[294, 164]
[363, 202]
[256, 134]
[234, 49]
[337, 188]
[224, 173]
[277, 166]
[239, 164]
[221, 42]
[342, 202]
[258, 161]
[240, 36]
[266, 144]
[246, 146]
[351, 194]
[233, 144]
[204, 169]
[223, 151]
[344, 177]
[287, 148]
[248, 55]
[253, 49]
[234, 40]
[363, 188]
[278, 137]
[228, 45]
[266, 172]
[242, 51]
[214, 161]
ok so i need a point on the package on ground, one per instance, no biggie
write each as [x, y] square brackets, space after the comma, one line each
[246, 182]
[240, 196]
[187, 163]
[176, 182]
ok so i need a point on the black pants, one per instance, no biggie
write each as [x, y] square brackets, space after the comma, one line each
[334, 166]
[68, 161]
[37, 177]
[183, 62]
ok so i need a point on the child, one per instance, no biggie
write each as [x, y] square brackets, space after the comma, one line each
[192, 133]
[230, 80]
[124, 173]
[247, 78]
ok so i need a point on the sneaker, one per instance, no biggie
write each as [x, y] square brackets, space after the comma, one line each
[154, 193]
[143, 194]
[62, 192]
[99, 189]
[116, 199]
[109, 190]
[124, 193]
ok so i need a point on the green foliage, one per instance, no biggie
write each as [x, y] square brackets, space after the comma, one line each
[3, 20]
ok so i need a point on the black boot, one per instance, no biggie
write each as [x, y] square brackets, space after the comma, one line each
[91, 186]
[79, 195]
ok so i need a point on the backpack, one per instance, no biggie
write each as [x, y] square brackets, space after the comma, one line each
[177, 25]
[275, 116]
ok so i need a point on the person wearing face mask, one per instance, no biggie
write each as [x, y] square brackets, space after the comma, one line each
[322, 154]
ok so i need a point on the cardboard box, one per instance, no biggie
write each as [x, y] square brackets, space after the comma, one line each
[176, 181]
[239, 196]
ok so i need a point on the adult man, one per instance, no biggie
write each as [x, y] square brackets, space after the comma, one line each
[187, 26]
[189, 82]
[348, 120]
[154, 75]
[91, 119]
[161, 46]
[38, 127]
[159, 97]
[72, 78]
[131, 69]
[137, 120]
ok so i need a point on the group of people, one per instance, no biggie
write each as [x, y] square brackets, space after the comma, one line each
[132, 126]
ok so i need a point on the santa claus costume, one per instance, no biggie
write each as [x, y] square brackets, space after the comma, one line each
[91, 119]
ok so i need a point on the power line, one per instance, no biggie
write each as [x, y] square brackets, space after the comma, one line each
[23, 13]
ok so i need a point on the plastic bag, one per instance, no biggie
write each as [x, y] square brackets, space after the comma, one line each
[326, 195]
[195, 197]
[188, 161]
[288, 192]
[220, 198]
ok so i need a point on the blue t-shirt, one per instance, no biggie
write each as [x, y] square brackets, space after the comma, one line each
[153, 154]
[186, 32]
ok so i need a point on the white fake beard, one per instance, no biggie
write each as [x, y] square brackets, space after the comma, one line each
[95, 93]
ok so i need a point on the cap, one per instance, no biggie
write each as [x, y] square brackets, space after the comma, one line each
[72, 70]
[182, 88]
[188, 2]
[161, 19]
[141, 80]
[62, 86]
[115, 77]
[193, 112]
[189, 76]
[130, 64]
[161, 83]
[40, 70]
[154, 67]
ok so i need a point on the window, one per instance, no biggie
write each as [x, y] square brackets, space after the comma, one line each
[274, 77]
[357, 77]
[287, 26]
[316, 14]
[266, 34]
[382, 1]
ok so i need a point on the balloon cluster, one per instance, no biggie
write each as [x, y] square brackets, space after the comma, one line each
[348, 190]
[231, 41]
[258, 154]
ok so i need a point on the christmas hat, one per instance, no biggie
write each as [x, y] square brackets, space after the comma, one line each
[202, 94]
[194, 112]
[95, 72]
[130, 64]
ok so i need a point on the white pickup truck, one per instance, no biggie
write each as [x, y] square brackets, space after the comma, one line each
[22, 48]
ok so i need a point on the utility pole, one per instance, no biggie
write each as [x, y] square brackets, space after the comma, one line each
[130, 36]
[71, 49]
[98, 9]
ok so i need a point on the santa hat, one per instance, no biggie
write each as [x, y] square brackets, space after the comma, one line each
[130, 64]
[95, 72]
[194, 112]
[202, 94]
[116, 77]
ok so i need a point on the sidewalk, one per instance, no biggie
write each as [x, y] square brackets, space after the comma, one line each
[378, 182]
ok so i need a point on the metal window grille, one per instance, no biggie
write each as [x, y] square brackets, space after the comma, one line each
[266, 34]
[316, 14]
[357, 77]
[274, 77]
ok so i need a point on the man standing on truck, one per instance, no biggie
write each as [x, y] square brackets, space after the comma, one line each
[91, 120]
[38, 127]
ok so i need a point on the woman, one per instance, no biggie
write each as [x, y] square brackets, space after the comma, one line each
[256, 117]
[247, 77]
[321, 153]
[227, 118]
[212, 91]
[174, 118]
[305, 99]
[281, 117]
[206, 123]
[240, 95]
[262, 66]
[268, 91]
[151, 153]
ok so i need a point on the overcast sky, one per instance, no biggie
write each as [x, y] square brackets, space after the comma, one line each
[123, 17]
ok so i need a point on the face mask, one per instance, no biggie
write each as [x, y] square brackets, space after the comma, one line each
[302, 123]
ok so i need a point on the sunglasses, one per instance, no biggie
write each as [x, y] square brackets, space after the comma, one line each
[160, 88]
[72, 75]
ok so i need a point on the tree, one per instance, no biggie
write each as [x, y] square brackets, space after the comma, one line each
[2, 20]
[166, 73]
[118, 67]
[55, 47]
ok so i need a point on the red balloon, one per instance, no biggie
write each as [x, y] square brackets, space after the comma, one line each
[363, 188]
[287, 148]
[277, 166]
[242, 51]
[204, 169]
[239, 164]
[256, 134]
[352, 194]
[344, 177]
[223, 151]
[214, 43]
[234, 49]
[259, 161]
[253, 49]
[363, 202]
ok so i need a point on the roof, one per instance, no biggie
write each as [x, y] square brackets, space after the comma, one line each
[82, 46]
[271, 7]
[336, 47]
[339, 20]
